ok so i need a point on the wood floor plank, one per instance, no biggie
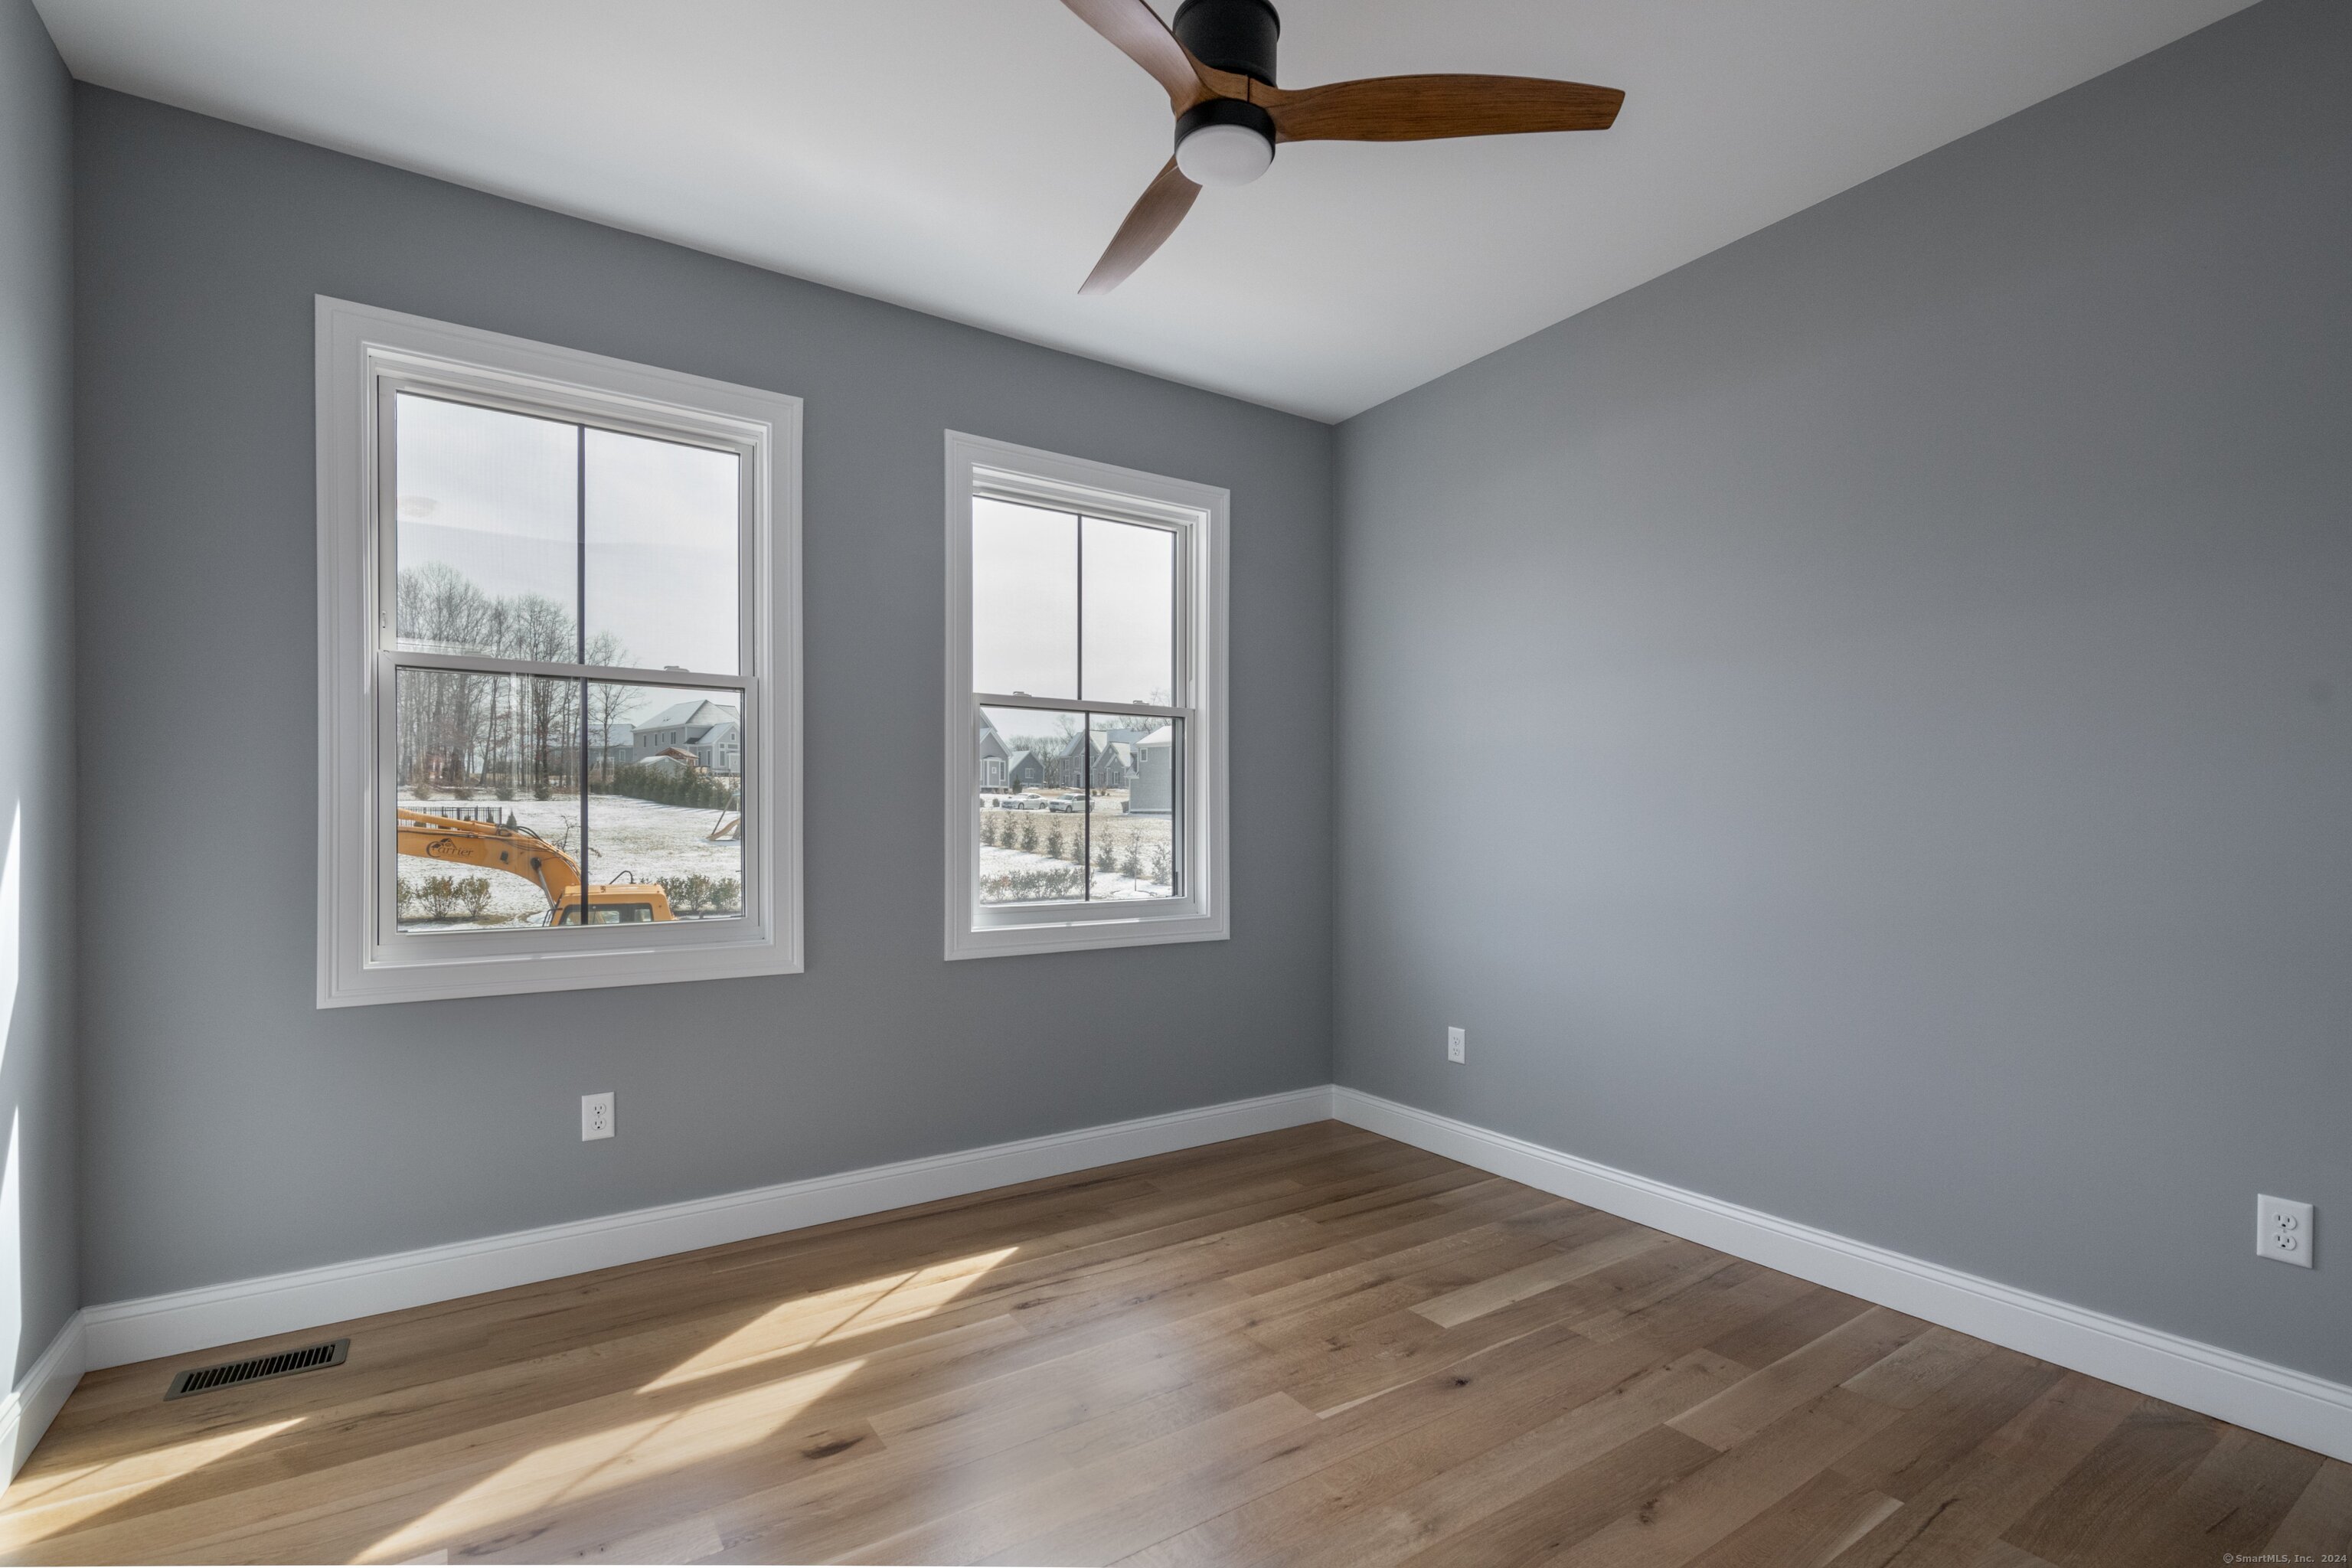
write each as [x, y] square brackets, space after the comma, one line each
[1316, 1349]
[2096, 1509]
[1947, 1521]
[2320, 1523]
[1811, 1526]
[1728, 1491]
[1536, 1276]
[1755, 1401]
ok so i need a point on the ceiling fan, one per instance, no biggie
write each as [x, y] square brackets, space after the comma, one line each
[1217, 64]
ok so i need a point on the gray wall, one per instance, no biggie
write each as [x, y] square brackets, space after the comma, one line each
[38, 1273]
[232, 1129]
[1862, 726]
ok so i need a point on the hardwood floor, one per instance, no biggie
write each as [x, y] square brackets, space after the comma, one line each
[1314, 1347]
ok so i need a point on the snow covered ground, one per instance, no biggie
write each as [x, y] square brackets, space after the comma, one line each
[629, 841]
[996, 862]
[1011, 819]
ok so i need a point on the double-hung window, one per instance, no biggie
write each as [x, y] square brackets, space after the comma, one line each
[558, 667]
[1085, 727]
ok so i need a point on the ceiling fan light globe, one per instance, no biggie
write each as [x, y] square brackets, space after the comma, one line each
[1224, 155]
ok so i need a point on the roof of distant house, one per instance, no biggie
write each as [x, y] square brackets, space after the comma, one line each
[701, 710]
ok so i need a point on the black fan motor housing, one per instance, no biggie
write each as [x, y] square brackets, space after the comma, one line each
[1236, 36]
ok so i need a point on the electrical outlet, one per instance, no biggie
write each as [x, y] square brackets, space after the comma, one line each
[2283, 1230]
[1457, 1046]
[596, 1116]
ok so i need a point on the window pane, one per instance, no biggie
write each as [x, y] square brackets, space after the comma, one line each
[486, 529]
[1025, 600]
[1131, 816]
[666, 803]
[487, 808]
[662, 554]
[1129, 602]
[1032, 818]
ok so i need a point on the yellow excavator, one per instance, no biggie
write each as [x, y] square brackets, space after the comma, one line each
[520, 852]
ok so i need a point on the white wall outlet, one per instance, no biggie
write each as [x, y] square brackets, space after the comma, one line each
[596, 1116]
[2282, 1232]
[1457, 1046]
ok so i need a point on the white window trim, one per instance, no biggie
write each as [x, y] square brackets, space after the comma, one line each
[358, 962]
[1099, 489]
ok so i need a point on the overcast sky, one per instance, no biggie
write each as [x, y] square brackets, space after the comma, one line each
[494, 495]
[1027, 604]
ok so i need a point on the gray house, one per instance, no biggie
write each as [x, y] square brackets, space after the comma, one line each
[994, 754]
[1112, 753]
[711, 733]
[1153, 791]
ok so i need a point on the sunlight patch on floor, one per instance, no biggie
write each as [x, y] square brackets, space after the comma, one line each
[624, 1455]
[843, 1313]
[81, 1494]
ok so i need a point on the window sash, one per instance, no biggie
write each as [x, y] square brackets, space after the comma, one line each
[538, 939]
[679, 425]
[391, 942]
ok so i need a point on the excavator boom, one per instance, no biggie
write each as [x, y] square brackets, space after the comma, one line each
[520, 852]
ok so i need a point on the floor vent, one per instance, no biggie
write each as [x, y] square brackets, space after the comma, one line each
[309, 1358]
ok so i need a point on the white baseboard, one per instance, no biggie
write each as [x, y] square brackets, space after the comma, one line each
[2291, 1406]
[124, 1332]
[27, 1410]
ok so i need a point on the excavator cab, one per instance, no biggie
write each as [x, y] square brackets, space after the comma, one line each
[618, 904]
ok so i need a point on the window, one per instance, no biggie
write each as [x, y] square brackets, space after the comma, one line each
[543, 576]
[1086, 734]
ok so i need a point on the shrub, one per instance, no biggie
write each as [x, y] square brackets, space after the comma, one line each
[1029, 836]
[700, 895]
[474, 897]
[1164, 863]
[1131, 859]
[439, 896]
[406, 892]
[1041, 882]
[1054, 842]
[1106, 855]
[671, 786]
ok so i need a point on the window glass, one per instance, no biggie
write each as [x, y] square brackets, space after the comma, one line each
[486, 803]
[1128, 608]
[487, 530]
[1131, 812]
[1033, 825]
[1025, 600]
[665, 799]
[662, 554]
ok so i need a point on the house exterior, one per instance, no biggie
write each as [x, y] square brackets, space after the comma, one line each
[1025, 770]
[994, 754]
[1153, 791]
[708, 734]
[617, 746]
[1111, 752]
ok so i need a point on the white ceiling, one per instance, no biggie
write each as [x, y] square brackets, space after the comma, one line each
[971, 157]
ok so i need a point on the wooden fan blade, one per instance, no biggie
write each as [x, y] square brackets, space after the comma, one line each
[1149, 224]
[1425, 107]
[1140, 34]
